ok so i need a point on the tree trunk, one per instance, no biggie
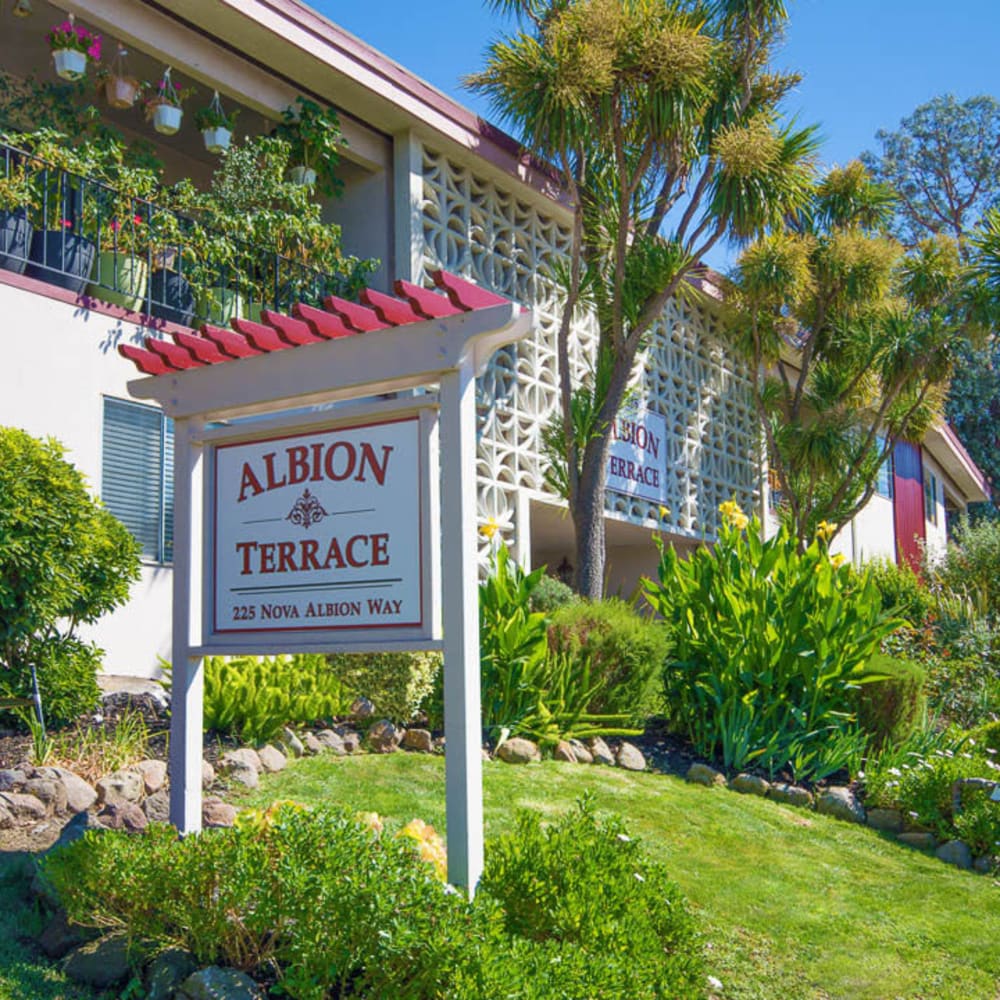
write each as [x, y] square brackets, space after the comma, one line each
[588, 521]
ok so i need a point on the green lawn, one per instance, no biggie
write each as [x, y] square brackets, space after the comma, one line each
[793, 905]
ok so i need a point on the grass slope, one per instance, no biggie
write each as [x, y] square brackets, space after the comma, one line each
[794, 905]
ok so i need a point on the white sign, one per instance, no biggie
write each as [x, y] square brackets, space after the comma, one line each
[637, 460]
[319, 530]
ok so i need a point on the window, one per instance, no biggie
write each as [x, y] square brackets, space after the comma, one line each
[137, 470]
[883, 484]
[930, 497]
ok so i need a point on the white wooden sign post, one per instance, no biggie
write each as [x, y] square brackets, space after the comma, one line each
[312, 514]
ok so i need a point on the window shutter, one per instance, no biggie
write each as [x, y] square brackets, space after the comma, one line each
[137, 476]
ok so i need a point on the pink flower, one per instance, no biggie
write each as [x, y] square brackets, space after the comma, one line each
[66, 224]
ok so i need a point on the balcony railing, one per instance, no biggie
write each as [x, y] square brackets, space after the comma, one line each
[79, 233]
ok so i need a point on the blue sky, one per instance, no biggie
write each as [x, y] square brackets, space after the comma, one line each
[866, 63]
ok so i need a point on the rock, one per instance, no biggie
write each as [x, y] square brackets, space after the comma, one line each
[11, 780]
[419, 740]
[600, 752]
[167, 971]
[215, 812]
[702, 774]
[312, 743]
[124, 816]
[352, 741]
[139, 693]
[840, 803]
[955, 852]
[922, 841]
[60, 936]
[154, 775]
[630, 757]
[292, 743]
[122, 786]
[244, 757]
[271, 759]
[23, 807]
[332, 741]
[243, 774]
[582, 754]
[362, 708]
[791, 795]
[214, 983]
[79, 794]
[52, 793]
[101, 963]
[518, 750]
[6, 818]
[207, 774]
[984, 864]
[750, 784]
[75, 829]
[157, 806]
[886, 820]
[384, 737]
[564, 752]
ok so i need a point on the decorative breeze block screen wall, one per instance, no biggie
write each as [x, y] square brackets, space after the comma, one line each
[473, 228]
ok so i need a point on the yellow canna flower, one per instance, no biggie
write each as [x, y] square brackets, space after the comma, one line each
[825, 530]
[664, 512]
[733, 516]
[490, 528]
[838, 559]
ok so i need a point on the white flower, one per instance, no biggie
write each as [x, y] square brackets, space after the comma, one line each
[714, 984]
[624, 838]
[638, 877]
[895, 771]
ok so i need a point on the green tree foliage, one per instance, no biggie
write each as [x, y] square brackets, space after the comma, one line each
[850, 340]
[662, 121]
[64, 559]
[942, 163]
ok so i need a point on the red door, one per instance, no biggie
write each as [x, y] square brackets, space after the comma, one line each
[908, 503]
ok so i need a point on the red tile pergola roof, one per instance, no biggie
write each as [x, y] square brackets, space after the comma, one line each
[309, 325]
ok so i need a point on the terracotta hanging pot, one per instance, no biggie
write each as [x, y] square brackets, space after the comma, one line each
[121, 91]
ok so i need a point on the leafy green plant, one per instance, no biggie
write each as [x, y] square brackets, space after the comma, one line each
[550, 594]
[99, 749]
[64, 560]
[626, 653]
[315, 140]
[770, 643]
[397, 684]
[970, 565]
[547, 879]
[254, 697]
[332, 904]
[923, 788]
[903, 592]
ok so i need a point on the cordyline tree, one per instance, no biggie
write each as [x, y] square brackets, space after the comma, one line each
[662, 120]
[942, 163]
[851, 340]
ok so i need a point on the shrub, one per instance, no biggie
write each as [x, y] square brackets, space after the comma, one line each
[397, 684]
[549, 878]
[769, 643]
[69, 670]
[551, 593]
[970, 565]
[891, 708]
[922, 787]
[627, 654]
[903, 593]
[64, 560]
[334, 907]
[253, 697]
[525, 689]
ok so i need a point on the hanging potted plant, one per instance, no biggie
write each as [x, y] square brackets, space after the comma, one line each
[120, 89]
[165, 108]
[215, 125]
[313, 133]
[72, 46]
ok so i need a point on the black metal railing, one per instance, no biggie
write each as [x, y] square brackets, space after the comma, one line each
[80, 233]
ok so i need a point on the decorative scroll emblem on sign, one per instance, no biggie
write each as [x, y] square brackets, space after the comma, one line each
[307, 510]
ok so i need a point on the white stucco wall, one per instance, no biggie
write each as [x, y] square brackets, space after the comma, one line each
[59, 361]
